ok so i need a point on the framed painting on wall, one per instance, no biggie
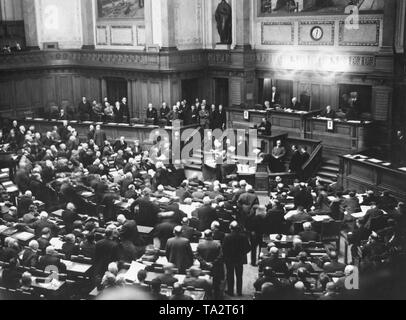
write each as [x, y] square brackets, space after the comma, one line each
[120, 9]
[316, 7]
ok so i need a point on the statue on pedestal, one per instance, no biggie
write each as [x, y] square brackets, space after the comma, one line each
[223, 17]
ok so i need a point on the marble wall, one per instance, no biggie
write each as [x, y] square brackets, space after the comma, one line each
[59, 21]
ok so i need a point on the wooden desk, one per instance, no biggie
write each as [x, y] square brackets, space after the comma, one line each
[293, 123]
[363, 175]
[76, 267]
[113, 131]
[346, 137]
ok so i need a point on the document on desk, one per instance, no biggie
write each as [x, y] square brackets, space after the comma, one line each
[321, 218]
[358, 215]
[132, 273]
[56, 243]
[402, 169]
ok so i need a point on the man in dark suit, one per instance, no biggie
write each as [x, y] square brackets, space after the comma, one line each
[220, 118]
[128, 230]
[24, 204]
[265, 128]
[308, 235]
[206, 215]
[245, 203]
[296, 161]
[51, 260]
[42, 223]
[152, 114]
[179, 252]
[295, 104]
[147, 212]
[119, 112]
[69, 216]
[210, 256]
[235, 249]
[164, 113]
[31, 255]
[167, 278]
[84, 109]
[191, 116]
[275, 97]
[328, 113]
[333, 266]
[125, 108]
[274, 262]
[107, 251]
[278, 154]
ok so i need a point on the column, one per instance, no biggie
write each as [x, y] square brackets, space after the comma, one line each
[149, 33]
[168, 25]
[241, 24]
[88, 27]
[30, 24]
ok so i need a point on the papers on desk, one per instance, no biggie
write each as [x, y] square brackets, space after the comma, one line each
[12, 189]
[56, 243]
[387, 164]
[3, 228]
[358, 215]
[375, 160]
[188, 209]
[402, 169]
[86, 194]
[76, 266]
[23, 236]
[194, 246]
[181, 278]
[132, 273]
[57, 213]
[162, 261]
[321, 218]
[246, 169]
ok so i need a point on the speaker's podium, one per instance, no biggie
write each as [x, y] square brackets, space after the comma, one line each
[262, 178]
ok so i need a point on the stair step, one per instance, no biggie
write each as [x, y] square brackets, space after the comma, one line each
[328, 181]
[193, 167]
[330, 168]
[331, 162]
[327, 174]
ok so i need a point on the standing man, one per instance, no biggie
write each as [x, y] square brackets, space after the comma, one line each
[99, 137]
[221, 118]
[179, 252]
[126, 109]
[235, 249]
[118, 112]
[210, 257]
[276, 97]
[84, 109]
[278, 154]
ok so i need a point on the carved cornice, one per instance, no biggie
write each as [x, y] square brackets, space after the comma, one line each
[195, 60]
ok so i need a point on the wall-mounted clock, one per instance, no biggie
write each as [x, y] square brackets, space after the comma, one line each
[317, 33]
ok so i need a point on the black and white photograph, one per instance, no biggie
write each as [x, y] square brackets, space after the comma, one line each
[219, 152]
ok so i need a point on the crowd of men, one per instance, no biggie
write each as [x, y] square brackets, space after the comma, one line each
[199, 113]
[227, 222]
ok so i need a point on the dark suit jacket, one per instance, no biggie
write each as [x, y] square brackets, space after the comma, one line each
[129, 231]
[119, 114]
[30, 258]
[235, 248]
[148, 212]
[179, 252]
[49, 260]
[220, 119]
[308, 236]
[106, 251]
[84, 108]
[206, 215]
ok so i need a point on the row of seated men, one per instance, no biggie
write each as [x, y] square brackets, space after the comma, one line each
[196, 113]
[350, 108]
[217, 203]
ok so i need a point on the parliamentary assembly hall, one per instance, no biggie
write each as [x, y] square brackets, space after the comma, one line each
[207, 150]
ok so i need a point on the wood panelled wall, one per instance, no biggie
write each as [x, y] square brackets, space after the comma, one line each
[20, 94]
[41, 91]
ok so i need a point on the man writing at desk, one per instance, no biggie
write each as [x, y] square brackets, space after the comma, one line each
[328, 113]
[278, 153]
